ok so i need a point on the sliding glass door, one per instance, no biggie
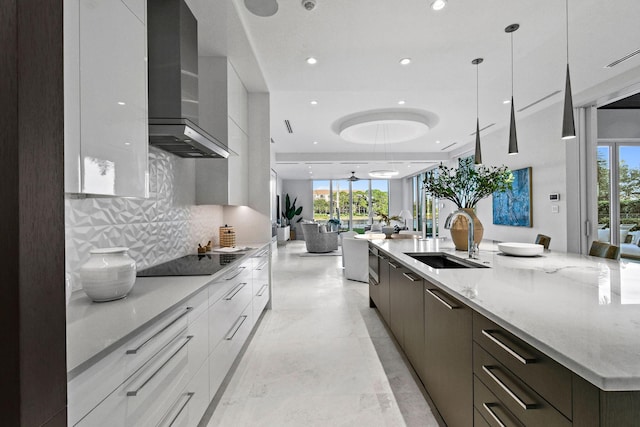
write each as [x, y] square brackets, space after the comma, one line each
[618, 174]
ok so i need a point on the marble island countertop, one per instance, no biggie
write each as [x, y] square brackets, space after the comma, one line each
[582, 311]
[94, 329]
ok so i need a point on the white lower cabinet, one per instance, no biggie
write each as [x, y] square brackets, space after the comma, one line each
[229, 347]
[140, 401]
[168, 374]
[191, 403]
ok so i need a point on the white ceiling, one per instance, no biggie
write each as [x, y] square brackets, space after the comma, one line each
[358, 44]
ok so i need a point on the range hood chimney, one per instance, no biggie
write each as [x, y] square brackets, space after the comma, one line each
[173, 83]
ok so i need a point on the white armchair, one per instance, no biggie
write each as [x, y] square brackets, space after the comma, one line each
[356, 259]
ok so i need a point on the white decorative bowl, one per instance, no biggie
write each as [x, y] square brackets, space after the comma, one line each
[521, 249]
[109, 274]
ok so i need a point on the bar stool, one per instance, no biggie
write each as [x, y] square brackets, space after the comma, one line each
[604, 250]
[543, 240]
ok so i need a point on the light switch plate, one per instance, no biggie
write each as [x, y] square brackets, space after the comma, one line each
[555, 208]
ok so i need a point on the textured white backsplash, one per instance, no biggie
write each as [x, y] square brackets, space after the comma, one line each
[167, 225]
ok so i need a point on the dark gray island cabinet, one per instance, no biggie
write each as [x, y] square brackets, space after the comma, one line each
[476, 372]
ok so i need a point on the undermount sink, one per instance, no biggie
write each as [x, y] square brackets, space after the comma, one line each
[439, 260]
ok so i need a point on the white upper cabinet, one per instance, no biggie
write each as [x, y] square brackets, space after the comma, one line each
[223, 113]
[106, 120]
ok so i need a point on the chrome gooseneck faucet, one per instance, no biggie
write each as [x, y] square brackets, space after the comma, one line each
[447, 224]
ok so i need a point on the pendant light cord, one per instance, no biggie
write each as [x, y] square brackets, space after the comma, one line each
[512, 66]
[477, 92]
[566, 3]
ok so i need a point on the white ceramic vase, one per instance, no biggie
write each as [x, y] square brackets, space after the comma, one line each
[109, 274]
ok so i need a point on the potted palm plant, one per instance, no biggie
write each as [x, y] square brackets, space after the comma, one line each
[466, 186]
[290, 212]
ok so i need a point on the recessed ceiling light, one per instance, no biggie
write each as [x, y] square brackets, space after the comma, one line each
[437, 142]
[506, 101]
[311, 60]
[401, 102]
[438, 4]
[315, 142]
[121, 103]
[405, 61]
[314, 102]
[309, 166]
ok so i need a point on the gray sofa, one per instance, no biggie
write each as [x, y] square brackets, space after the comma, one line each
[318, 242]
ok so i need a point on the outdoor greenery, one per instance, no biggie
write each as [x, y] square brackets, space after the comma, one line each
[380, 203]
[467, 185]
[629, 184]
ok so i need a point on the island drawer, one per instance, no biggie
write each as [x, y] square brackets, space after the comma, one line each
[515, 395]
[488, 410]
[537, 370]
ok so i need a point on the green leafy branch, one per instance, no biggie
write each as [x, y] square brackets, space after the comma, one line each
[467, 185]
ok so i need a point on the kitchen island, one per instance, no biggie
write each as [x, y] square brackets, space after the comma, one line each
[579, 313]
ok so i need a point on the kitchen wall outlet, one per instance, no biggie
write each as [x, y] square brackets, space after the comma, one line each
[555, 208]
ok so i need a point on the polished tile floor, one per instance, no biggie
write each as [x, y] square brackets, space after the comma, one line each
[320, 357]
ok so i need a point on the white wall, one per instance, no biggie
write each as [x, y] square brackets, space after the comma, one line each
[303, 190]
[396, 196]
[619, 124]
[540, 147]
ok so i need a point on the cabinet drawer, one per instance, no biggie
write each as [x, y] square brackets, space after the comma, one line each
[260, 299]
[225, 312]
[92, 386]
[488, 410]
[228, 348]
[189, 406]
[219, 288]
[520, 399]
[478, 421]
[541, 373]
[199, 343]
[143, 398]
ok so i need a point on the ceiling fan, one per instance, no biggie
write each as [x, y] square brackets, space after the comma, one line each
[353, 177]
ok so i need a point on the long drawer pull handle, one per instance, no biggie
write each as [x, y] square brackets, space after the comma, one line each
[235, 327]
[261, 265]
[232, 293]
[520, 358]
[519, 401]
[239, 270]
[372, 281]
[170, 419]
[145, 382]
[262, 289]
[410, 277]
[167, 326]
[441, 300]
[393, 265]
[493, 415]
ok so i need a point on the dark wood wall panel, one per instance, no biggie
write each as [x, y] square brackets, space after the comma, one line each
[32, 167]
[9, 275]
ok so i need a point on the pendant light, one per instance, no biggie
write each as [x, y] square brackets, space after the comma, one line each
[513, 137]
[568, 125]
[478, 154]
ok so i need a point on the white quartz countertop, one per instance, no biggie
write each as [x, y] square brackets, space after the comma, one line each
[94, 329]
[582, 311]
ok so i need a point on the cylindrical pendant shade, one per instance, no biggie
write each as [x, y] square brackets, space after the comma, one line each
[568, 125]
[513, 137]
[478, 153]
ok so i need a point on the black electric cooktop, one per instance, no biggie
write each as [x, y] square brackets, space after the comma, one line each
[191, 265]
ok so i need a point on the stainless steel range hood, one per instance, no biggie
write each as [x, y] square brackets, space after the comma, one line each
[173, 83]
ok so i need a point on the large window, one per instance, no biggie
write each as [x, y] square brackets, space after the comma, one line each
[355, 204]
[618, 173]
